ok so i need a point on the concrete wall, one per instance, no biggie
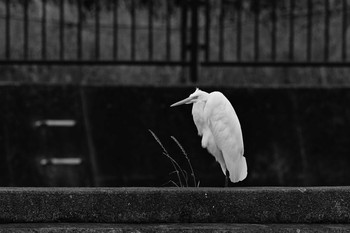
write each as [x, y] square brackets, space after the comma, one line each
[322, 209]
[292, 136]
[252, 205]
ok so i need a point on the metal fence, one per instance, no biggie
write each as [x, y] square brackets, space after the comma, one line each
[189, 33]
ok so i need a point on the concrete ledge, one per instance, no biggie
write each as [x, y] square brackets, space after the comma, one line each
[262, 205]
[150, 228]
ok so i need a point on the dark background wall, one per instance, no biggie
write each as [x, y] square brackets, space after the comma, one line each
[292, 136]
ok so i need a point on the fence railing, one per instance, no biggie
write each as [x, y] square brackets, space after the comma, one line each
[190, 33]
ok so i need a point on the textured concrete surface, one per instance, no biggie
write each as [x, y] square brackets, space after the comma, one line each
[168, 228]
[262, 205]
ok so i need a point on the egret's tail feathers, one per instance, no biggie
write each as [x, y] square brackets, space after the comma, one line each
[239, 170]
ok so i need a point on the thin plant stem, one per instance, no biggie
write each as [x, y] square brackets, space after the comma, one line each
[180, 173]
[188, 160]
[165, 152]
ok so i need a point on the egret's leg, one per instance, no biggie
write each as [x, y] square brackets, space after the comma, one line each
[226, 178]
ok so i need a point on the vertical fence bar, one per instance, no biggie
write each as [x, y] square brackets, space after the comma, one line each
[43, 30]
[25, 30]
[97, 29]
[344, 29]
[150, 29]
[291, 30]
[183, 34]
[133, 30]
[79, 33]
[168, 31]
[62, 29]
[309, 30]
[326, 30]
[256, 30]
[115, 29]
[239, 31]
[8, 31]
[221, 30]
[273, 31]
[194, 42]
[207, 30]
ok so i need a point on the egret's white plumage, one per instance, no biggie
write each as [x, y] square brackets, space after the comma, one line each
[218, 124]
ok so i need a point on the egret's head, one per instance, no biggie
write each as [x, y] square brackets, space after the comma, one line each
[196, 96]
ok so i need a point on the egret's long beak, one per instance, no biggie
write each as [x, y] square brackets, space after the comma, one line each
[184, 101]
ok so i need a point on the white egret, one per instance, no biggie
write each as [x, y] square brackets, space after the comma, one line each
[218, 124]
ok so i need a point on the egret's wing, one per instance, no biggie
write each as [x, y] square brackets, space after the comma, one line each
[215, 151]
[226, 130]
[204, 131]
